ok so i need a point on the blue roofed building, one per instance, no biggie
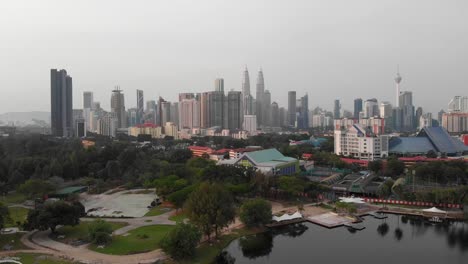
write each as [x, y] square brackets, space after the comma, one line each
[428, 139]
[268, 161]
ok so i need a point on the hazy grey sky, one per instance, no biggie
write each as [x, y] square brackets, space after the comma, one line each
[330, 49]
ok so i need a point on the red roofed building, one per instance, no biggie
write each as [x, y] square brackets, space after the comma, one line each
[198, 151]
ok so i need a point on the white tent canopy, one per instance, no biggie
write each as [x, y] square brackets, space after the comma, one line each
[434, 210]
[287, 217]
[352, 200]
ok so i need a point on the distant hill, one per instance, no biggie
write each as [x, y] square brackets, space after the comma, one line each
[25, 118]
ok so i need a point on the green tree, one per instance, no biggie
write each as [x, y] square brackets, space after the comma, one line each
[4, 215]
[53, 214]
[291, 185]
[181, 241]
[375, 166]
[256, 212]
[395, 167]
[210, 207]
[36, 188]
[100, 232]
[179, 197]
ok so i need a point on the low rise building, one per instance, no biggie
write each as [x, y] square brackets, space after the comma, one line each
[360, 143]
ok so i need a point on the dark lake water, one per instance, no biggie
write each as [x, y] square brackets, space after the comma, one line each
[397, 239]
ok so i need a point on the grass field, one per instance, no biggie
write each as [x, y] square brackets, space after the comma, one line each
[17, 214]
[12, 240]
[140, 240]
[80, 232]
[157, 211]
[178, 218]
[40, 259]
[13, 198]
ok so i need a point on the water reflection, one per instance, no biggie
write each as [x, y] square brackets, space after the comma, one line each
[403, 238]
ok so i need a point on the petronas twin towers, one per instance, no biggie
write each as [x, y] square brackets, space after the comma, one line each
[258, 106]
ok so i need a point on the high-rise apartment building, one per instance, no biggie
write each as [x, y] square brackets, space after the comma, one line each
[189, 114]
[61, 103]
[458, 104]
[219, 85]
[118, 107]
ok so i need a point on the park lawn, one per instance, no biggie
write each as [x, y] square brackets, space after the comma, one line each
[27, 258]
[13, 198]
[178, 218]
[206, 253]
[8, 238]
[17, 214]
[80, 232]
[142, 239]
[157, 210]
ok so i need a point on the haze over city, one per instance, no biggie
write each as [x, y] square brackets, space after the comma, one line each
[328, 49]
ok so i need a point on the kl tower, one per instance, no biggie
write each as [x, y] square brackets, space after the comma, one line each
[397, 82]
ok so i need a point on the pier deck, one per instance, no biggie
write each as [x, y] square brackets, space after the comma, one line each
[330, 220]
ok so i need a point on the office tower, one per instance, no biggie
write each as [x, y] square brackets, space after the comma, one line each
[275, 115]
[266, 108]
[174, 115]
[397, 84]
[291, 108]
[385, 109]
[96, 106]
[140, 109]
[458, 104]
[234, 108]
[159, 112]
[165, 112]
[132, 117]
[337, 109]
[80, 127]
[303, 113]
[371, 108]
[283, 117]
[407, 108]
[87, 100]
[219, 85]
[118, 107]
[357, 107]
[189, 114]
[259, 104]
[61, 103]
[247, 99]
[150, 113]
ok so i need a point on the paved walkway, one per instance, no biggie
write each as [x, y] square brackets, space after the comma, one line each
[39, 242]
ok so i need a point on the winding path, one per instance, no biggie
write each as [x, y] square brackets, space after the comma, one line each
[39, 242]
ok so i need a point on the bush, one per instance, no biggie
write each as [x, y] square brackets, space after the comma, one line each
[100, 232]
[181, 242]
[256, 212]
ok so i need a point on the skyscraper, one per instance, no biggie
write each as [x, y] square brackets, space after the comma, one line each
[407, 108]
[397, 83]
[371, 108]
[189, 114]
[275, 120]
[234, 104]
[357, 107]
[61, 103]
[140, 107]
[219, 85]
[87, 100]
[259, 105]
[303, 113]
[336, 109]
[266, 108]
[118, 107]
[247, 99]
[291, 108]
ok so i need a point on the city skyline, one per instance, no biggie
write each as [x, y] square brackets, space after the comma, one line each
[345, 54]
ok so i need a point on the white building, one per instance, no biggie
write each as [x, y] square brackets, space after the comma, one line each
[458, 104]
[361, 144]
[250, 124]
